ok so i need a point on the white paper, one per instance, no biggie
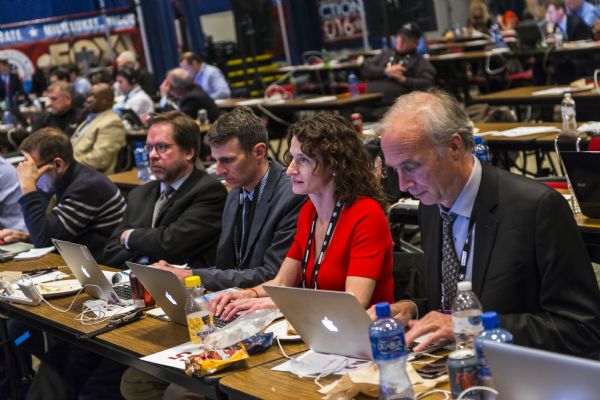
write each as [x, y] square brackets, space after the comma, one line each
[320, 99]
[34, 253]
[311, 363]
[407, 203]
[175, 356]
[526, 130]
[102, 309]
[249, 102]
[591, 126]
[551, 91]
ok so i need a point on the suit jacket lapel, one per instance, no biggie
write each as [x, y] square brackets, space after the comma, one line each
[431, 223]
[184, 188]
[486, 226]
[263, 207]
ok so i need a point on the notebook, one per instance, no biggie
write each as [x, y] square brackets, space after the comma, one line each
[329, 322]
[83, 266]
[525, 373]
[582, 169]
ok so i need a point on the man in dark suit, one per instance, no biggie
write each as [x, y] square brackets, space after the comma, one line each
[571, 27]
[259, 220]
[188, 97]
[238, 141]
[10, 84]
[62, 114]
[525, 257]
[177, 217]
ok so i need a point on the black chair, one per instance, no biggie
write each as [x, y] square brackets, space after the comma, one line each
[409, 276]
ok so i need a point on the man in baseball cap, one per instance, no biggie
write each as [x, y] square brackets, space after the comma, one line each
[398, 70]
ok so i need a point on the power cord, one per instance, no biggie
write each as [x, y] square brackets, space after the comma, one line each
[82, 317]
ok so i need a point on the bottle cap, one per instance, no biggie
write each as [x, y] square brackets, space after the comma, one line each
[382, 310]
[490, 320]
[464, 285]
[192, 281]
[478, 139]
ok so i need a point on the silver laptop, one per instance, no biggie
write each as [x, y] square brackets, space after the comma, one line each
[329, 322]
[525, 373]
[83, 266]
[165, 288]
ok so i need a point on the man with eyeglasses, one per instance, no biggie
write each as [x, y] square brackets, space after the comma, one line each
[98, 140]
[176, 218]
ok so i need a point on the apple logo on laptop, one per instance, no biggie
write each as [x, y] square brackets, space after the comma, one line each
[170, 298]
[327, 323]
[87, 275]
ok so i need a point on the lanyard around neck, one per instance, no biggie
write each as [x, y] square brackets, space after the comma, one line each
[326, 241]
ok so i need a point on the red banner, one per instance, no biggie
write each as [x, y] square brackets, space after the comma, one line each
[68, 49]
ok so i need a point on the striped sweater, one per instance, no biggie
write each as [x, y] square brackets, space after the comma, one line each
[88, 208]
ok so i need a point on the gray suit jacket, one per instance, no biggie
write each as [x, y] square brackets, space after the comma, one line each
[271, 234]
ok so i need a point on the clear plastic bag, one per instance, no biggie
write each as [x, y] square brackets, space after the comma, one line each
[242, 328]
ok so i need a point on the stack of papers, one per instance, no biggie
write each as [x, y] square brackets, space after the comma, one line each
[34, 253]
[320, 99]
[524, 131]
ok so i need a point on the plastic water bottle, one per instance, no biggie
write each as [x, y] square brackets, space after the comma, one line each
[466, 316]
[384, 43]
[141, 162]
[353, 83]
[558, 39]
[567, 108]
[492, 332]
[497, 36]
[197, 310]
[7, 117]
[325, 57]
[389, 352]
[481, 150]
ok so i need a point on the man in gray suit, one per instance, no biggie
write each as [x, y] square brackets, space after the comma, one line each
[259, 219]
[259, 223]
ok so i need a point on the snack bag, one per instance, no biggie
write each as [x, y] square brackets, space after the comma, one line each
[209, 362]
[258, 343]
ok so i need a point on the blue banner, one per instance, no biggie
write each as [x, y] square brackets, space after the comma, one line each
[69, 27]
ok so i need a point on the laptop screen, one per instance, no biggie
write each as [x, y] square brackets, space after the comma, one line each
[582, 169]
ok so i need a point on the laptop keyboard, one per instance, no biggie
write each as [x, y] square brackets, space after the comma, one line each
[221, 323]
[123, 291]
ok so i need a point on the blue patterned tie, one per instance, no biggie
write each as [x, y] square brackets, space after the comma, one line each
[245, 228]
[450, 263]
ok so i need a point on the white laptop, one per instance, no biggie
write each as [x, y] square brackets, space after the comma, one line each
[329, 322]
[525, 373]
[83, 266]
[165, 288]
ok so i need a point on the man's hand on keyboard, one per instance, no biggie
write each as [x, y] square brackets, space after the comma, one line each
[180, 273]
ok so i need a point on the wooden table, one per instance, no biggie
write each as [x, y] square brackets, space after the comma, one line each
[127, 343]
[524, 96]
[276, 385]
[126, 180]
[343, 103]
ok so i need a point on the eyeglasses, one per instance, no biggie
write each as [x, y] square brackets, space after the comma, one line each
[160, 147]
[43, 164]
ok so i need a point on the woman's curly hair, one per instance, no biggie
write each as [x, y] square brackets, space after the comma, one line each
[332, 140]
